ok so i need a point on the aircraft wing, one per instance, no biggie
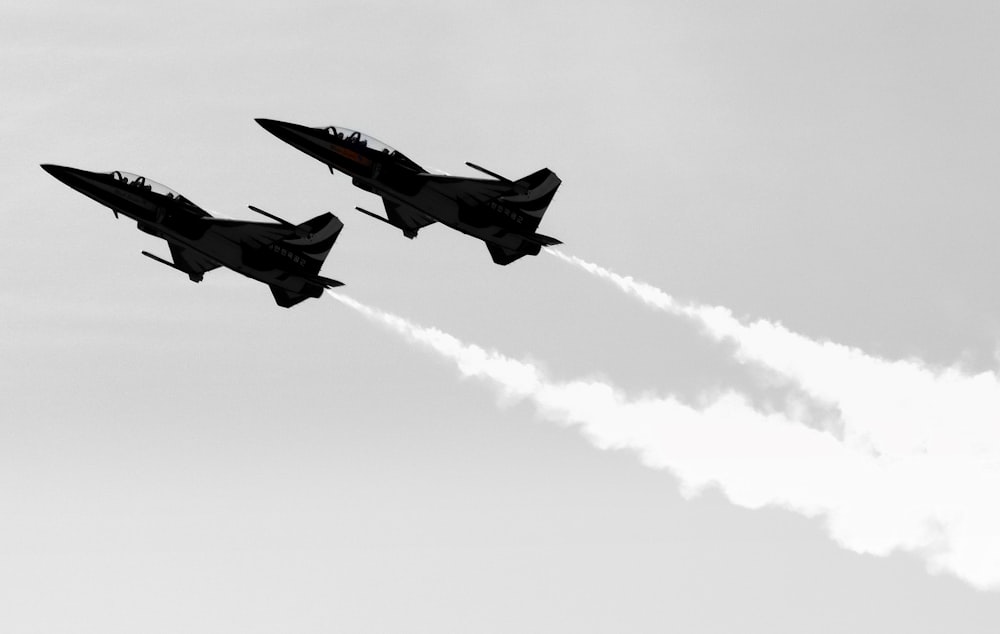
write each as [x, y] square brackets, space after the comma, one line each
[190, 261]
[471, 191]
[406, 217]
[255, 234]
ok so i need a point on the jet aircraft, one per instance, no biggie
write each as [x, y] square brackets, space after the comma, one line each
[284, 256]
[503, 213]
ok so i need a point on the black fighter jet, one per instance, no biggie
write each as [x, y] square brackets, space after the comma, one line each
[501, 212]
[284, 256]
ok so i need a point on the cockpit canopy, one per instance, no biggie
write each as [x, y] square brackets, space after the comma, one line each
[142, 182]
[363, 140]
[353, 136]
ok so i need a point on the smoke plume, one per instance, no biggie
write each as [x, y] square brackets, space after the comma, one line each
[937, 429]
[873, 502]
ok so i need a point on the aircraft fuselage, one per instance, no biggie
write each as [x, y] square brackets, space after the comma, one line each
[398, 180]
[168, 215]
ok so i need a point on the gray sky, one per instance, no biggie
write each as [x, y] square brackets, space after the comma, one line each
[179, 456]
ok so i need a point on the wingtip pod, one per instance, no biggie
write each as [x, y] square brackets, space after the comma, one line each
[280, 221]
[500, 178]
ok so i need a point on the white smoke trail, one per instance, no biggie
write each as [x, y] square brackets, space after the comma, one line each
[942, 423]
[871, 504]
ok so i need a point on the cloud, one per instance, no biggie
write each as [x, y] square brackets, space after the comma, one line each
[872, 503]
[934, 431]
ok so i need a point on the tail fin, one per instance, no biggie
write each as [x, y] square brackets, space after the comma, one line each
[533, 193]
[319, 234]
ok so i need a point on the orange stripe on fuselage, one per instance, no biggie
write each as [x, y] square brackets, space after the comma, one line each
[350, 154]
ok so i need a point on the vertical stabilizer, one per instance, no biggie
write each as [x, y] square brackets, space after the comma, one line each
[319, 234]
[534, 194]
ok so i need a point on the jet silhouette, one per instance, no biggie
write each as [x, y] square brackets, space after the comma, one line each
[501, 212]
[284, 256]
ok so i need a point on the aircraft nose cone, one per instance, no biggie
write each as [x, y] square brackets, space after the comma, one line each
[78, 179]
[53, 169]
[64, 174]
[272, 126]
[292, 133]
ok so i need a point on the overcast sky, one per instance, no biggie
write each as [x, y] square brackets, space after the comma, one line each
[192, 457]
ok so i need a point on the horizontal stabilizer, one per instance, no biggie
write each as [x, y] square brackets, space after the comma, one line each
[545, 241]
[327, 282]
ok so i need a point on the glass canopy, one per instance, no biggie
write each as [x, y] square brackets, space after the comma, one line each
[363, 140]
[353, 136]
[144, 183]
